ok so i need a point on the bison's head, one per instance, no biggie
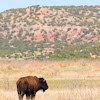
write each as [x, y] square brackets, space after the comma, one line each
[43, 84]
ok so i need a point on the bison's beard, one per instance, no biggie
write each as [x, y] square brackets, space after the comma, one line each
[43, 90]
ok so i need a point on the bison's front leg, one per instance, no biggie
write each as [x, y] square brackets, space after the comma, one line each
[32, 97]
[20, 97]
[27, 97]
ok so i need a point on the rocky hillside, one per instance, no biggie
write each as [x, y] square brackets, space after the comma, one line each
[37, 23]
[39, 27]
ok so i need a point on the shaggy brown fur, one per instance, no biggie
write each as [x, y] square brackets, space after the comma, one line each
[30, 85]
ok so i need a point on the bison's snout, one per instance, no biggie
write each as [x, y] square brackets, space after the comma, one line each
[46, 87]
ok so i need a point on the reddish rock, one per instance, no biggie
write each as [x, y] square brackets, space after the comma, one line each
[38, 37]
[96, 38]
[73, 35]
[50, 36]
[27, 38]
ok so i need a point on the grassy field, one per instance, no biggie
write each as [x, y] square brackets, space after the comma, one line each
[67, 80]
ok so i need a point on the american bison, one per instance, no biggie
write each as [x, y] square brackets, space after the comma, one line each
[29, 86]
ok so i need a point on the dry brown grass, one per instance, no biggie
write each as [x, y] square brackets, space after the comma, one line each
[63, 69]
[68, 80]
[77, 94]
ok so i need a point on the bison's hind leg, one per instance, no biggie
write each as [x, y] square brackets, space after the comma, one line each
[20, 97]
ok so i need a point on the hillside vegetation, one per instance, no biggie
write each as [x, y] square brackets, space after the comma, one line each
[43, 32]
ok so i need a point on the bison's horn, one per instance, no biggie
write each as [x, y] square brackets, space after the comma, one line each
[44, 80]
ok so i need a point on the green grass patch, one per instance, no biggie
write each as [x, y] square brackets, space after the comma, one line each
[7, 84]
[77, 69]
[11, 71]
[64, 84]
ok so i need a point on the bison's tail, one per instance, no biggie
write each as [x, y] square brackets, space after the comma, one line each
[19, 87]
